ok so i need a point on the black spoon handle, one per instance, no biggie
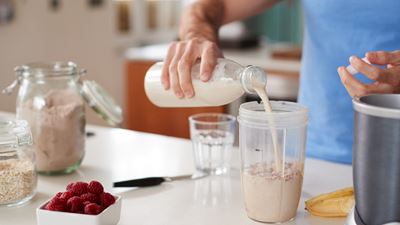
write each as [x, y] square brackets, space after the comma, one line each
[143, 182]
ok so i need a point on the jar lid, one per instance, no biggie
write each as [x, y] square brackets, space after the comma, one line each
[285, 115]
[47, 69]
[102, 102]
[14, 133]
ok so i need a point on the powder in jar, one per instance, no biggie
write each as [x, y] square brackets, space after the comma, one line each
[58, 128]
[17, 180]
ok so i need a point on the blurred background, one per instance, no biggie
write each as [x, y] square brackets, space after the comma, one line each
[118, 40]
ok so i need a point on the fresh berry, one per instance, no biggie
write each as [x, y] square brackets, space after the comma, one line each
[93, 209]
[107, 199]
[90, 197]
[58, 195]
[69, 186]
[75, 204]
[95, 187]
[86, 203]
[78, 188]
[56, 204]
[66, 195]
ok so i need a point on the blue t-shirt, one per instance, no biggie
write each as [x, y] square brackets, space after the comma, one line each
[335, 30]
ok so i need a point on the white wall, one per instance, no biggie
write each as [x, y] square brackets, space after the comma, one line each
[75, 32]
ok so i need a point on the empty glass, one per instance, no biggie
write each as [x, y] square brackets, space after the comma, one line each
[212, 136]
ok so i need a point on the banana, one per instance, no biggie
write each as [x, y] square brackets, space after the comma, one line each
[334, 204]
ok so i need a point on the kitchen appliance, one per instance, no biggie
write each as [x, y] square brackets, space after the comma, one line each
[376, 160]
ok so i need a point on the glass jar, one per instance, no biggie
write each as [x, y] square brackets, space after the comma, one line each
[272, 173]
[18, 178]
[50, 99]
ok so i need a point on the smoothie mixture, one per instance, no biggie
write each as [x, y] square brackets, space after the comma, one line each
[272, 196]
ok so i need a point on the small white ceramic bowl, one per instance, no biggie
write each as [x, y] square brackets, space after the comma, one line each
[109, 216]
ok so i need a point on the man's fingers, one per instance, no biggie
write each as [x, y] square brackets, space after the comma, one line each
[165, 70]
[208, 60]
[185, 65]
[383, 57]
[381, 88]
[173, 70]
[352, 85]
[393, 75]
[372, 72]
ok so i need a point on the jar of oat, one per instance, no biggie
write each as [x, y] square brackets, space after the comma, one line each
[17, 163]
[51, 98]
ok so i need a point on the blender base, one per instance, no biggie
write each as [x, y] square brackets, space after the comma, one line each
[351, 219]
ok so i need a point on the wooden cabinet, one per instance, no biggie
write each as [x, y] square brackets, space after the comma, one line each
[141, 115]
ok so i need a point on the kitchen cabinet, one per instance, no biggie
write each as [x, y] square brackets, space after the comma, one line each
[142, 115]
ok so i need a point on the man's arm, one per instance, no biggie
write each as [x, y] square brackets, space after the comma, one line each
[204, 17]
[199, 37]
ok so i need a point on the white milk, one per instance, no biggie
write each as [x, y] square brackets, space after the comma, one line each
[225, 86]
[262, 92]
[272, 196]
[215, 93]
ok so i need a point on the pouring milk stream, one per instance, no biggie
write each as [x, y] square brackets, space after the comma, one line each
[229, 81]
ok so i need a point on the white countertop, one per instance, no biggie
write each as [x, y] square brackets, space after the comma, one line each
[117, 154]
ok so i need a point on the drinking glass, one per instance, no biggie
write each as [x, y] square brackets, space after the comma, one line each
[212, 135]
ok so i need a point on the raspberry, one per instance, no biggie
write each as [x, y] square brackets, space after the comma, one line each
[86, 203]
[56, 204]
[58, 195]
[75, 204]
[93, 209]
[95, 187]
[78, 188]
[66, 195]
[69, 186]
[90, 197]
[107, 199]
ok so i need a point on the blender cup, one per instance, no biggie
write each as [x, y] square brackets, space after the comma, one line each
[272, 147]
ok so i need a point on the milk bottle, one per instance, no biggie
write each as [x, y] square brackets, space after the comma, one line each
[228, 82]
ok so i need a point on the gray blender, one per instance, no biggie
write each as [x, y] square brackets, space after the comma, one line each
[376, 160]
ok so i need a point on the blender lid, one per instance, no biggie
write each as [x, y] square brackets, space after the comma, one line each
[379, 105]
[102, 102]
[14, 133]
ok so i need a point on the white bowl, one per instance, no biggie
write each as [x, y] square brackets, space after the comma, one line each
[110, 216]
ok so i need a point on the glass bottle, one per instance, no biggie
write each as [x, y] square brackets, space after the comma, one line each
[50, 99]
[18, 178]
[229, 81]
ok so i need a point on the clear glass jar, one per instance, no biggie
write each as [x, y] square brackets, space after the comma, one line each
[50, 99]
[18, 178]
[272, 173]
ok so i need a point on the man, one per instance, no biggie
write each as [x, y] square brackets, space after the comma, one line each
[334, 30]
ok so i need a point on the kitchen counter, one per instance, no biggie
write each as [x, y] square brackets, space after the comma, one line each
[118, 154]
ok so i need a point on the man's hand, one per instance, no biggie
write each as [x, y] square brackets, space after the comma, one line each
[387, 80]
[199, 36]
[180, 59]
[198, 33]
